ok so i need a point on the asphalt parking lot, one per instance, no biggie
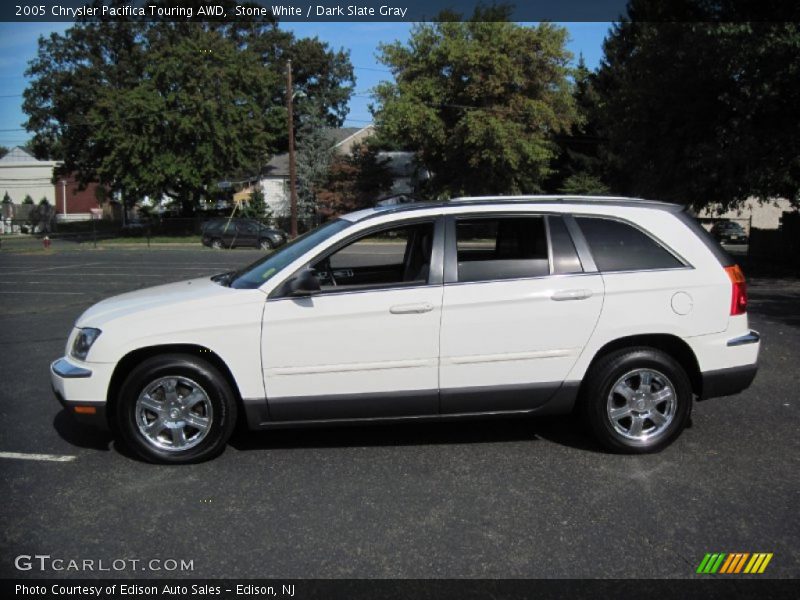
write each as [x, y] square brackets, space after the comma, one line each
[517, 499]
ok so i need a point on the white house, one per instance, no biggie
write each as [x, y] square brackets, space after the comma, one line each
[23, 175]
[753, 213]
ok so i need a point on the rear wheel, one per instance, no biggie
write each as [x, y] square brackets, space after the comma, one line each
[217, 244]
[266, 244]
[176, 409]
[636, 400]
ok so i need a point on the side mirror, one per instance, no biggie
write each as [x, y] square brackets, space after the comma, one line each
[305, 284]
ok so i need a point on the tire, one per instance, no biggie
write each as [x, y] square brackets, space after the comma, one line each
[217, 244]
[636, 400]
[266, 244]
[175, 409]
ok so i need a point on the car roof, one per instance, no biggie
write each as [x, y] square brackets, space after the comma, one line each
[514, 200]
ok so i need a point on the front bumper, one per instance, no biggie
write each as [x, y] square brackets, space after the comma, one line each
[81, 390]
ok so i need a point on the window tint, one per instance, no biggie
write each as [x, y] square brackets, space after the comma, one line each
[617, 246]
[389, 257]
[501, 248]
[565, 257]
[267, 267]
[248, 227]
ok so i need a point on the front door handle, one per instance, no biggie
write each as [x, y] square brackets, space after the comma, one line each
[562, 295]
[411, 309]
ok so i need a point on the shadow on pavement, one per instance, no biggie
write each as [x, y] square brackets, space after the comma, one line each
[79, 435]
[565, 431]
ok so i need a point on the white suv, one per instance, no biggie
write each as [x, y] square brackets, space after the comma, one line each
[623, 309]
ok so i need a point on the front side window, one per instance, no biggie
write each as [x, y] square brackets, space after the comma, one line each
[266, 268]
[389, 257]
[248, 227]
[617, 246]
[501, 248]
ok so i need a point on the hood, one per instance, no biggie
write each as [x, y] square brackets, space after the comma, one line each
[179, 296]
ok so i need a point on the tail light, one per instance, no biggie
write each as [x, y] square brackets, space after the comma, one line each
[738, 291]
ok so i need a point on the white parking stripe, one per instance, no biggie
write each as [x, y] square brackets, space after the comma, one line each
[43, 457]
[49, 293]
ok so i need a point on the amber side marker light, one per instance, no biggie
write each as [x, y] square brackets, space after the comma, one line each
[85, 410]
[738, 290]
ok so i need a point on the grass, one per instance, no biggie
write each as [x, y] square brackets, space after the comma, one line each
[156, 239]
[25, 244]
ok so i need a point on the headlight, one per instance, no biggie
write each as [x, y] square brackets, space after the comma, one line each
[83, 342]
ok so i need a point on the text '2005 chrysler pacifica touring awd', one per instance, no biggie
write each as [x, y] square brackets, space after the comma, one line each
[625, 310]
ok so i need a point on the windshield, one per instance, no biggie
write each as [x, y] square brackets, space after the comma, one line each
[263, 269]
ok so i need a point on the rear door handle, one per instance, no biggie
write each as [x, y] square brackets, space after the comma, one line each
[562, 295]
[411, 309]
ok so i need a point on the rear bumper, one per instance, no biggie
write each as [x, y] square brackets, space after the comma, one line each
[726, 382]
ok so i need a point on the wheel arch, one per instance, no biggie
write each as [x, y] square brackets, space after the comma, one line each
[134, 357]
[670, 344]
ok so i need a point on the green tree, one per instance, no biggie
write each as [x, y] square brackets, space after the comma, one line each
[41, 215]
[314, 155]
[3, 151]
[353, 181]
[27, 199]
[201, 106]
[479, 101]
[580, 168]
[257, 207]
[7, 198]
[170, 107]
[701, 112]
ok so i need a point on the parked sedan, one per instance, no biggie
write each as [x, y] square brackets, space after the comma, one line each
[230, 233]
[729, 232]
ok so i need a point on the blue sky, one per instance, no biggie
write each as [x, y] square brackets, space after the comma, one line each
[18, 44]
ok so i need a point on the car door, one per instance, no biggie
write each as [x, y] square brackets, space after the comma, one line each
[518, 308]
[367, 345]
[246, 233]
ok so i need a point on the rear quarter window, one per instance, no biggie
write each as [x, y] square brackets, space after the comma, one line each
[617, 246]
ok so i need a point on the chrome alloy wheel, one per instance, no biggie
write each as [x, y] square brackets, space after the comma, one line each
[174, 413]
[641, 404]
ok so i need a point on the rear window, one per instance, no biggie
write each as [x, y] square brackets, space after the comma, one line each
[617, 246]
[501, 248]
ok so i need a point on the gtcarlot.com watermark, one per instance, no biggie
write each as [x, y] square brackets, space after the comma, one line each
[46, 562]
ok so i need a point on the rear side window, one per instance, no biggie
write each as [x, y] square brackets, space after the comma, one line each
[501, 248]
[618, 246]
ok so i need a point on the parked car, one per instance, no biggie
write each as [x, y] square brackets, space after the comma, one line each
[729, 231]
[624, 309]
[232, 233]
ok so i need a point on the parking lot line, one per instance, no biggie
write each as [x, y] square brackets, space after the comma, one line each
[40, 457]
[49, 293]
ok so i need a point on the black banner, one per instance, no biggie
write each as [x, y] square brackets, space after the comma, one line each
[400, 10]
[382, 589]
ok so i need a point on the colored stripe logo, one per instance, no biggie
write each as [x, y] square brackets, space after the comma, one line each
[733, 563]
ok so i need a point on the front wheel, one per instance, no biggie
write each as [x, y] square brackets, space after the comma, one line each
[636, 400]
[176, 409]
[266, 245]
[217, 244]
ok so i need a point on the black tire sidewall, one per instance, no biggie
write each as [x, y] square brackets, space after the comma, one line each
[219, 393]
[608, 371]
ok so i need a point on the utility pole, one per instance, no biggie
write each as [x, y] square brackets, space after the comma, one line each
[292, 167]
[64, 198]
